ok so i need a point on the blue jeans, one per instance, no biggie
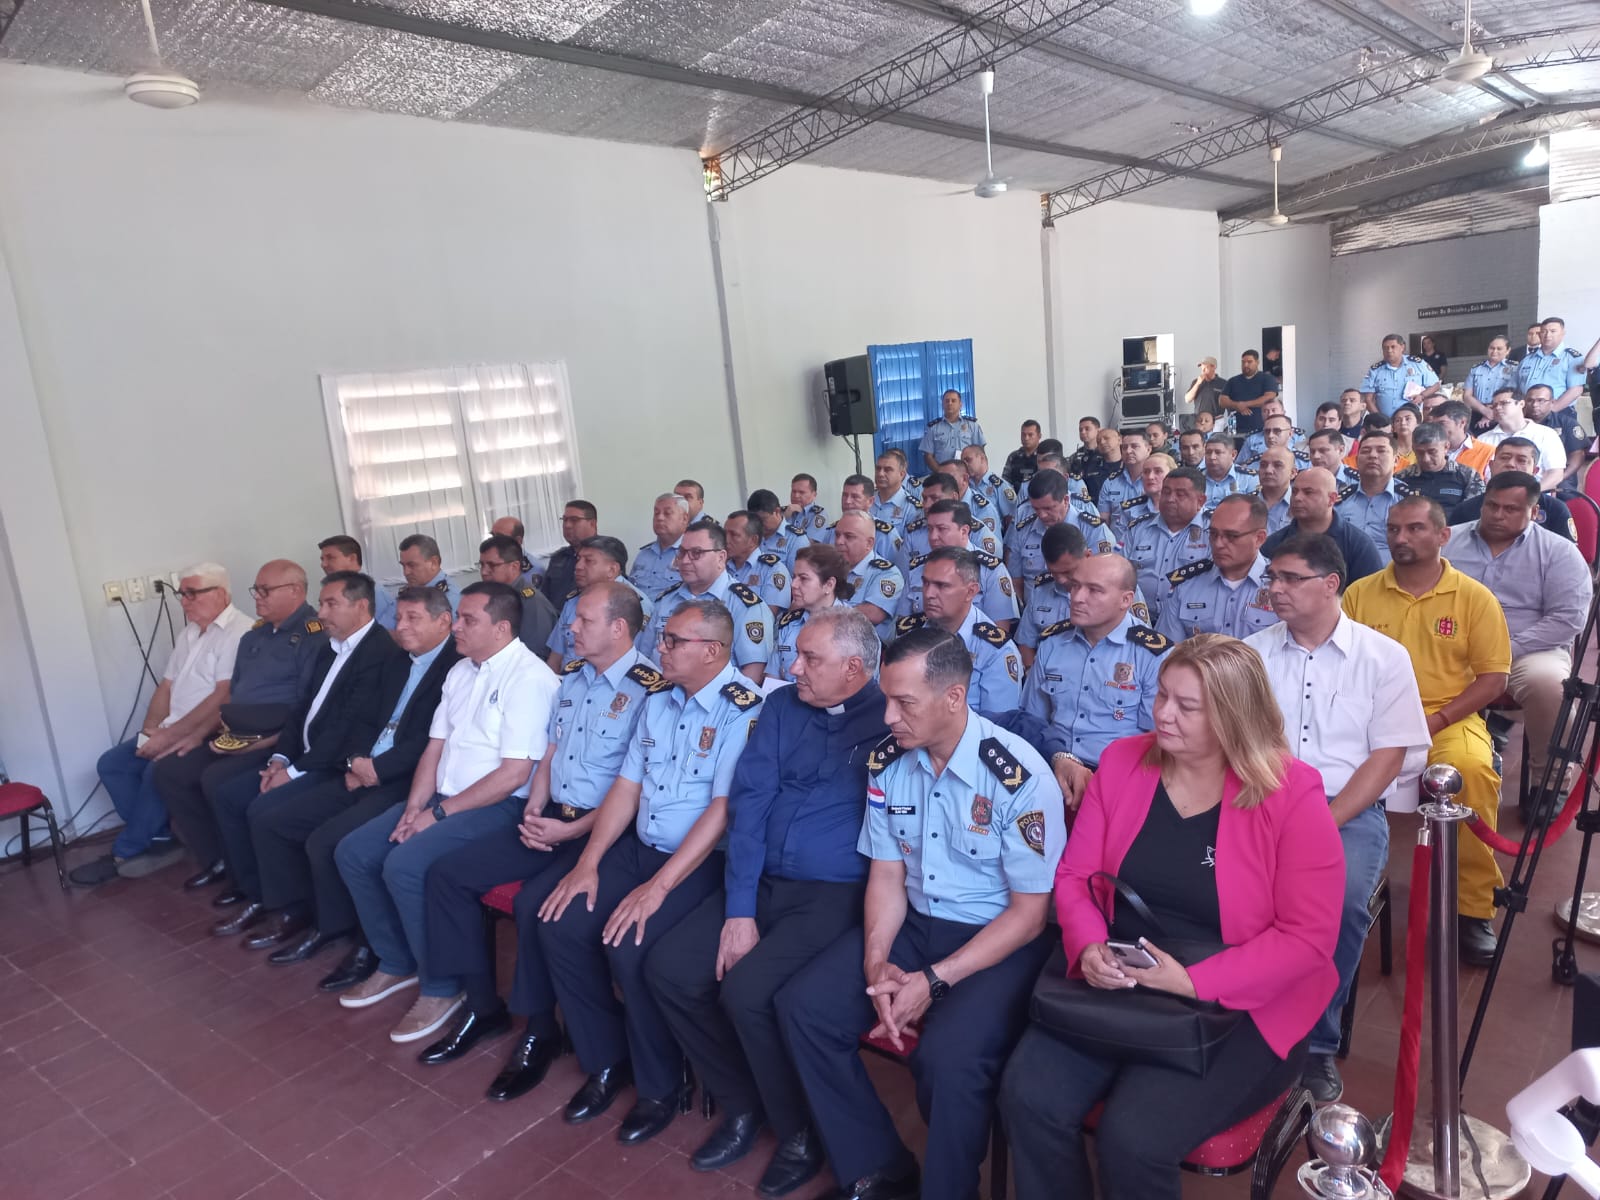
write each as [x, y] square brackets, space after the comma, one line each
[1366, 853]
[128, 781]
[386, 880]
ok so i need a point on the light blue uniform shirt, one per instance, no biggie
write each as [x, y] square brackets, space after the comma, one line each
[1234, 483]
[767, 575]
[1025, 554]
[561, 636]
[1277, 514]
[1050, 605]
[945, 440]
[752, 619]
[886, 538]
[1115, 492]
[1487, 378]
[785, 640]
[1388, 384]
[1156, 552]
[419, 667]
[1096, 694]
[1559, 370]
[896, 510]
[593, 725]
[684, 754]
[1202, 601]
[990, 824]
[785, 543]
[653, 571]
[996, 665]
[996, 595]
[990, 532]
[1540, 579]
[1370, 514]
[998, 493]
[807, 521]
[383, 607]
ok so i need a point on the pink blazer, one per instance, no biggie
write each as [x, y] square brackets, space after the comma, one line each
[1280, 888]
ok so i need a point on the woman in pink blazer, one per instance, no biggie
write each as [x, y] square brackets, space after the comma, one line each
[1227, 839]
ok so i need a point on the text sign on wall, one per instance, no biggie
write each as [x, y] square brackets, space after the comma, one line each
[1461, 310]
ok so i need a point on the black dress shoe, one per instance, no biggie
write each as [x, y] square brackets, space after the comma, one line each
[1320, 1077]
[302, 948]
[357, 967]
[881, 1186]
[730, 1142]
[597, 1094]
[279, 930]
[525, 1070]
[798, 1160]
[228, 898]
[465, 1032]
[646, 1119]
[215, 873]
[248, 917]
[1476, 938]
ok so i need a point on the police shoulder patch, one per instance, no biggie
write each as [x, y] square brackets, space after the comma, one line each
[742, 697]
[1011, 774]
[769, 559]
[745, 594]
[884, 753]
[648, 677]
[992, 634]
[880, 564]
[1143, 635]
[1198, 567]
[313, 626]
[573, 667]
[911, 623]
[1058, 627]
[259, 623]
[789, 616]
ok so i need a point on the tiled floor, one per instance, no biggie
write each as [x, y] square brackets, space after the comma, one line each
[140, 1057]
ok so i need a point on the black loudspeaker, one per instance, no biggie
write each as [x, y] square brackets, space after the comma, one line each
[850, 404]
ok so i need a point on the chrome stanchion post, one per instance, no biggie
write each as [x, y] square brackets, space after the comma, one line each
[1342, 1143]
[1453, 1156]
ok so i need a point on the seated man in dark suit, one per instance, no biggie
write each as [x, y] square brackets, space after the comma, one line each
[294, 840]
[336, 717]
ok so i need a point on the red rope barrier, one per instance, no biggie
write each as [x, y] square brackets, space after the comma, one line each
[1501, 844]
[1409, 1057]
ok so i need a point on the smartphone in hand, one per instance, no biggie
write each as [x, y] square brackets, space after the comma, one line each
[1131, 954]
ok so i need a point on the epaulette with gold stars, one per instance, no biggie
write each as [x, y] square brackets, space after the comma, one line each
[1190, 571]
[1026, 521]
[987, 559]
[916, 560]
[313, 626]
[910, 623]
[917, 524]
[884, 753]
[573, 667]
[648, 677]
[742, 697]
[1088, 518]
[1134, 502]
[745, 594]
[992, 634]
[916, 501]
[1143, 635]
[1011, 774]
[789, 616]
[1058, 627]
[1347, 491]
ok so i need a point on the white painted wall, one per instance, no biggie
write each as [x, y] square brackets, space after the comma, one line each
[1281, 277]
[1379, 292]
[1569, 247]
[1127, 270]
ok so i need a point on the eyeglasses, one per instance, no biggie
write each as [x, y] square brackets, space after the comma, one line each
[485, 566]
[256, 590]
[671, 641]
[1232, 535]
[196, 593]
[1288, 577]
[688, 555]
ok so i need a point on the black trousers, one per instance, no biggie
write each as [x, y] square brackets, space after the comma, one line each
[234, 800]
[966, 1038]
[603, 1031]
[188, 782]
[294, 840]
[729, 1030]
[457, 882]
[1153, 1116]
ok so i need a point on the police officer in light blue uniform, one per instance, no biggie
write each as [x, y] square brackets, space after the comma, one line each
[886, 538]
[950, 523]
[940, 485]
[1025, 555]
[1226, 593]
[1559, 368]
[704, 563]
[1094, 679]
[786, 639]
[968, 842]
[680, 763]
[991, 487]
[776, 536]
[804, 517]
[949, 590]
[422, 566]
[1493, 373]
[1126, 485]
[947, 436]
[598, 559]
[988, 530]
[1397, 377]
[1223, 477]
[1160, 544]
[1366, 503]
[655, 566]
[891, 500]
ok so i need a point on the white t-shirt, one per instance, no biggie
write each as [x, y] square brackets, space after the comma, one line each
[201, 660]
[1552, 454]
[492, 711]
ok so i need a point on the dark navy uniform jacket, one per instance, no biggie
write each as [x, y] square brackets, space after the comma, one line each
[799, 794]
[275, 664]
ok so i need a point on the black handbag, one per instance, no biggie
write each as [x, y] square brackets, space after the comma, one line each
[1140, 1025]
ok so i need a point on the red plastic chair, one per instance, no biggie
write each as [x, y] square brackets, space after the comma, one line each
[1586, 520]
[1591, 483]
[23, 800]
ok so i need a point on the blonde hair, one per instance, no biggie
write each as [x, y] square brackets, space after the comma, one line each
[1243, 711]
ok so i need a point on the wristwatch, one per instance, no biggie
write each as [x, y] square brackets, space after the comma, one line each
[938, 989]
[437, 808]
[350, 763]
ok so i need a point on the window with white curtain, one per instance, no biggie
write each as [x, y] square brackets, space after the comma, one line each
[449, 451]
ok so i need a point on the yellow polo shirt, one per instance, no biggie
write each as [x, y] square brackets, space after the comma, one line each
[1453, 633]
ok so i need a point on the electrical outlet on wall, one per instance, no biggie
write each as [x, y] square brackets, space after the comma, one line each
[136, 590]
[113, 591]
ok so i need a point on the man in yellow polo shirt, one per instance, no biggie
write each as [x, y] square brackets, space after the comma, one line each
[1460, 648]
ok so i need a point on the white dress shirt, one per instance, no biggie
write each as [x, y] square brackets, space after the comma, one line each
[203, 659]
[341, 655]
[1552, 454]
[492, 711]
[1353, 694]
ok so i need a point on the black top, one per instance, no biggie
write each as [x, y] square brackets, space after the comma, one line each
[1172, 867]
[1437, 361]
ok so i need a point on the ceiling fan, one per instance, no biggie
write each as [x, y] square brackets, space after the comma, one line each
[990, 185]
[1468, 64]
[159, 87]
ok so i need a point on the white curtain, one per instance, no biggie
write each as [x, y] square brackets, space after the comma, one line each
[448, 451]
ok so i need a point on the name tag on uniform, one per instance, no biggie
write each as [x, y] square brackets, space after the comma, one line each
[902, 810]
[1193, 604]
[647, 741]
[566, 704]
